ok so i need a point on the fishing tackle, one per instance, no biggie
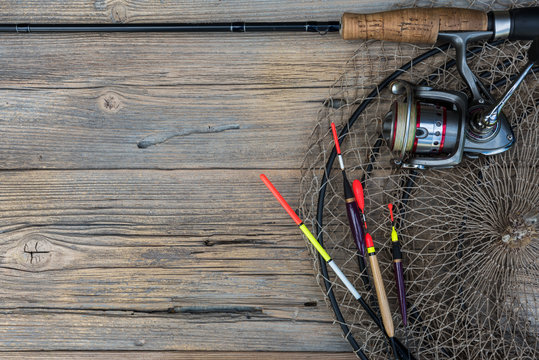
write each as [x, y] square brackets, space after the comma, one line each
[355, 220]
[381, 294]
[436, 128]
[458, 26]
[399, 350]
[398, 268]
[524, 26]
[432, 128]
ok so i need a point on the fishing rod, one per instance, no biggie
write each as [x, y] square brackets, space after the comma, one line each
[399, 350]
[414, 25]
[317, 27]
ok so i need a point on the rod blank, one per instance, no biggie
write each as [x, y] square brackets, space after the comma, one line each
[320, 27]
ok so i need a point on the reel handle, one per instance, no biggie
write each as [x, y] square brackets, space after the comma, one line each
[416, 25]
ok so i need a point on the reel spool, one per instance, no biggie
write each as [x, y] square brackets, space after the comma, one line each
[432, 128]
[435, 128]
[427, 127]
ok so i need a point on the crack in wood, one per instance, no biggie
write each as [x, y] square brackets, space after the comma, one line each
[155, 139]
[216, 310]
[208, 242]
[27, 249]
[223, 310]
[36, 251]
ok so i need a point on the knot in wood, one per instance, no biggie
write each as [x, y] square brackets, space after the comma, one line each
[36, 250]
[118, 10]
[119, 13]
[110, 102]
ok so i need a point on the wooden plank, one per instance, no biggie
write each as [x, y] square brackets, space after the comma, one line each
[180, 11]
[126, 331]
[143, 258]
[176, 355]
[146, 202]
[129, 257]
[90, 108]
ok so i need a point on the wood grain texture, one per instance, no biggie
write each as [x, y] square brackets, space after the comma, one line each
[90, 108]
[176, 355]
[85, 330]
[149, 259]
[107, 11]
[178, 246]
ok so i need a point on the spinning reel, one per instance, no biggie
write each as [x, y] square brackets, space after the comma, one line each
[432, 128]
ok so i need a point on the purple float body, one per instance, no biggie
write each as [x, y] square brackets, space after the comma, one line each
[356, 225]
[401, 291]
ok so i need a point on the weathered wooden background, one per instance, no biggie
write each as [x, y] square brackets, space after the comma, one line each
[177, 246]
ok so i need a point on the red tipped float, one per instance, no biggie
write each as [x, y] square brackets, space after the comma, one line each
[368, 241]
[358, 194]
[281, 200]
[335, 138]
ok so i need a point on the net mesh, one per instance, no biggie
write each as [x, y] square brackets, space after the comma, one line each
[469, 235]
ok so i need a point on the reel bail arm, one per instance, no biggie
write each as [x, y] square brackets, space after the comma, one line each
[491, 117]
[460, 41]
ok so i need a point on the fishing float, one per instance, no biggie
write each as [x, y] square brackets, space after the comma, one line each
[399, 350]
[354, 218]
[398, 268]
[381, 295]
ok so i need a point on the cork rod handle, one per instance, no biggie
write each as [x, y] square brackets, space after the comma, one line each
[416, 25]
